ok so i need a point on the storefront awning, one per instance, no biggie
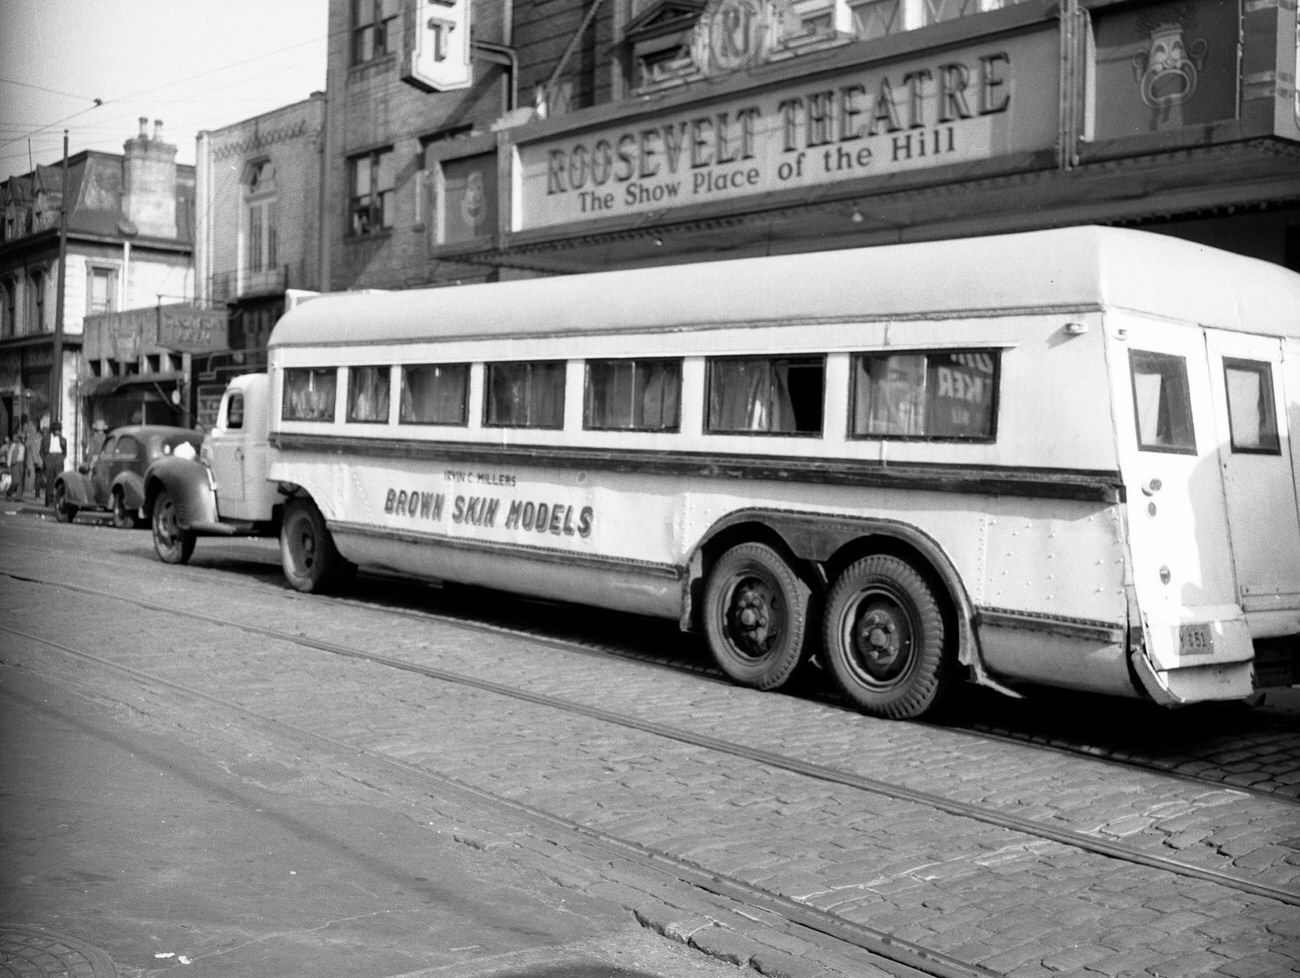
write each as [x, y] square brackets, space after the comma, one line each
[104, 386]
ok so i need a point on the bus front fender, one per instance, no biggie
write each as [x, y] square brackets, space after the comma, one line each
[187, 483]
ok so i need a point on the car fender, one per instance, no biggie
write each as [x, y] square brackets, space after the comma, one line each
[131, 485]
[77, 488]
[187, 482]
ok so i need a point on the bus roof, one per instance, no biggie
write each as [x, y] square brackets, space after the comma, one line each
[1076, 268]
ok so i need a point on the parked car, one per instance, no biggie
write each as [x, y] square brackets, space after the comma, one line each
[114, 479]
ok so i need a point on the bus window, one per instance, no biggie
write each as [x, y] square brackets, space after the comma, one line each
[435, 393]
[1252, 418]
[1162, 402]
[633, 395]
[309, 394]
[766, 395]
[368, 393]
[525, 395]
[940, 395]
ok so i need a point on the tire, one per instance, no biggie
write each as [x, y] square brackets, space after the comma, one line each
[64, 511]
[122, 519]
[172, 544]
[310, 560]
[885, 639]
[756, 612]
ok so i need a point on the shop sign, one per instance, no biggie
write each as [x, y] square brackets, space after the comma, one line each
[187, 329]
[871, 121]
[1165, 67]
[123, 336]
[734, 34]
[437, 54]
[469, 197]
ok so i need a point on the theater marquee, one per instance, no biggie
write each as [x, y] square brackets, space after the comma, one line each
[950, 107]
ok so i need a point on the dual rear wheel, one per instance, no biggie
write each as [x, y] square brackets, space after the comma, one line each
[310, 560]
[883, 637]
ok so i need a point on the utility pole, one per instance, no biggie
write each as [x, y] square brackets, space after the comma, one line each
[56, 368]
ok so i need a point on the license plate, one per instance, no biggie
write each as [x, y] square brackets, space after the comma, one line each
[1195, 639]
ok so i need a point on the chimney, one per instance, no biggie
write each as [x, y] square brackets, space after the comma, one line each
[149, 183]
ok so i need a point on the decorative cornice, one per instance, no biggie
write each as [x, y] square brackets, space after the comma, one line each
[262, 137]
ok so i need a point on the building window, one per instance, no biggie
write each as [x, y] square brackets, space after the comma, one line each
[371, 178]
[260, 243]
[8, 308]
[36, 289]
[101, 290]
[375, 29]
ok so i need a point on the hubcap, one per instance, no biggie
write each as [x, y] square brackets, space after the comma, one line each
[881, 638]
[752, 621]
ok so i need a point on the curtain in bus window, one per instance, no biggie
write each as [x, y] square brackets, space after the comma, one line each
[526, 395]
[435, 394]
[890, 395]
[1252, 417]
[368, 393]
[1162, 402]
[309, 394]
[633, 394]
[661, 394]
[750, 395]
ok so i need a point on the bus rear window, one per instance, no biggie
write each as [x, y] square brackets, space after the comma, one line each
[309, 394]
[766, 395]
[435, 393]
[525, 395]
[1162, 402]
[633, 395]
[1252, 417]
[368, 393]
[944, 396]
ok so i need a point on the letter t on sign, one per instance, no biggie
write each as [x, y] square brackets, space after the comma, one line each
[436, 55]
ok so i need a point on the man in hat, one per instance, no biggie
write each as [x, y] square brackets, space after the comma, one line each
[54, 449]
[97, 440]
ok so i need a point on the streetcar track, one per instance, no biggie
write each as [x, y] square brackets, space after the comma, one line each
[1064, 836]
[904, 959]
[1032, 732]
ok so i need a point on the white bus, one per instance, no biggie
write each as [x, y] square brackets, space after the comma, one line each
[1060, 457]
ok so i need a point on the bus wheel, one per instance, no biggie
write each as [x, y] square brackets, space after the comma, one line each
[756, 612]
[885, 637]
[64, 511]
[307, 553]
[172, 544]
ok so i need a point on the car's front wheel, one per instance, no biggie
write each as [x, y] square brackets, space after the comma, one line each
[172, 544]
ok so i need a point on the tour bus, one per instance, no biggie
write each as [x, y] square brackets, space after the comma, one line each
[1054, 458]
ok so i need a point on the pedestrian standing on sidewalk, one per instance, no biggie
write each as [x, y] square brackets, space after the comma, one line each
[97, 440]
[30, 440]
[54, 449]
[6, 480]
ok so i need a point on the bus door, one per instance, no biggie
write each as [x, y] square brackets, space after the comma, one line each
[1198, 643]
[1250, 394]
